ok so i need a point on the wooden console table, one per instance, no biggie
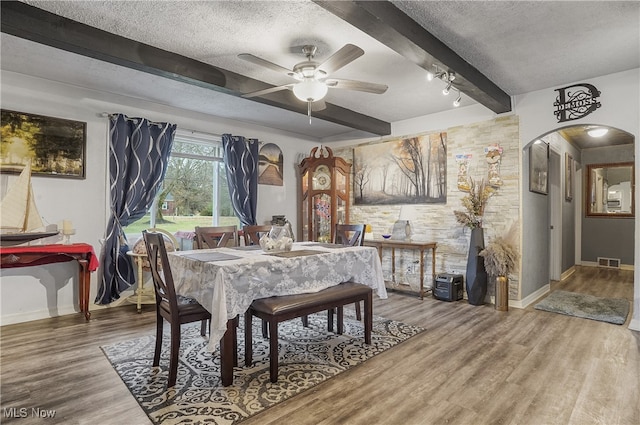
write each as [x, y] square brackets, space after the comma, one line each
[37, 255]
[380, 244]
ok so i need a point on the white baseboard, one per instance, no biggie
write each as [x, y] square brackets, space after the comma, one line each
[634, 325]
[567, 273]
[629, 267]
[525, 302]
[29, 316]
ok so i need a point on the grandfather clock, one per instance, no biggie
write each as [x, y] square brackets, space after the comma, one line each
[324, 197]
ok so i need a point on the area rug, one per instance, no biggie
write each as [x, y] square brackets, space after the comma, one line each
[610, 310]
[308, 356]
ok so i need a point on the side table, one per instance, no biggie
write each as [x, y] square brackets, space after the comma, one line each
[37, 255]
[381, 244]
[141, 291]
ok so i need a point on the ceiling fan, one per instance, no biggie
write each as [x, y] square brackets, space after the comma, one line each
[312, 77]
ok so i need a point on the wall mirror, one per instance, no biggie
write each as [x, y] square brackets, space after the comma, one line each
[609, 190]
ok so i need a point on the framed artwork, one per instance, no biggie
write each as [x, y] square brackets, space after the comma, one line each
[56, 147]
[538, 167]
[410, 170]
[568, 177]
[270, 165]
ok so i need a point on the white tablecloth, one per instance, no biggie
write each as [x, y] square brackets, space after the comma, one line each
[225, 281]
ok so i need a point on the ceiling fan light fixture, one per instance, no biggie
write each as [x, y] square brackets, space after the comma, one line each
[310, 90]
[598, 132]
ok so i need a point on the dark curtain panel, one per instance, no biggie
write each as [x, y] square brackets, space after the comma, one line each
[241, 164]
[139, 152]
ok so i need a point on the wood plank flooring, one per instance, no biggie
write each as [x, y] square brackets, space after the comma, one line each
[473, 365]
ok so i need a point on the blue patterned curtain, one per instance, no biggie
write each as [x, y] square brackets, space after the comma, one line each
[241, 164]
[138, 156]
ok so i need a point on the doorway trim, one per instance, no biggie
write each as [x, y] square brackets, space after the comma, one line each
[555, 214]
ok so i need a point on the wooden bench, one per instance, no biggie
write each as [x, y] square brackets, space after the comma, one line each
[274, 310]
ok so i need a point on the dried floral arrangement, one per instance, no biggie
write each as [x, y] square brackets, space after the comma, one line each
[474, 204]
[500, 257]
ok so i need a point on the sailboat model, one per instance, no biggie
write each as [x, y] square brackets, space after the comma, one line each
[19, 216]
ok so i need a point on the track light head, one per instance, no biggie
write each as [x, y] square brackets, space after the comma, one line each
[456, 102]
[447, 89]
[447, 77]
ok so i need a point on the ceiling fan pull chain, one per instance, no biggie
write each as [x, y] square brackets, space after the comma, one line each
[309, 111]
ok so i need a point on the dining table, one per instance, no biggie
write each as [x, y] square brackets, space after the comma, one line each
[225, 281]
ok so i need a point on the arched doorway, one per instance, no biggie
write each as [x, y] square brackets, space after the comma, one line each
[566, 234]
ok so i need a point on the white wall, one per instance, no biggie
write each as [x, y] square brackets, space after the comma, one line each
[427, 123]
[38, 292]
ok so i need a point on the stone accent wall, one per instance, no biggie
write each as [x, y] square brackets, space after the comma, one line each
[436, 222]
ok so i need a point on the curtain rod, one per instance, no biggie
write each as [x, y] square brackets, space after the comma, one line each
[193, 132]
[108, 115]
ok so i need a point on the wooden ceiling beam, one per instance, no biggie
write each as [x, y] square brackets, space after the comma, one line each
[28, 22]
[389, 25]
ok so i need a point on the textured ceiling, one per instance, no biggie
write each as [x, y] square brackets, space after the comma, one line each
[521, 46]
[525, 46]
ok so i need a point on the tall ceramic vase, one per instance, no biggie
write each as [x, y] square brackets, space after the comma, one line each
[476, 278]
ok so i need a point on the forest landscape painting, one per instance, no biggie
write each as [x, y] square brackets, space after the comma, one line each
[410, 170]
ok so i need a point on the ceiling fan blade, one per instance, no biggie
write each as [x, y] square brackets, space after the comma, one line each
[342, 57]
[264, 63]
[267, 91]
[356, 85]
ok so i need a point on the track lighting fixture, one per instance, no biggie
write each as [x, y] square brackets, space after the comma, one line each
[442, 75]
[447, 77]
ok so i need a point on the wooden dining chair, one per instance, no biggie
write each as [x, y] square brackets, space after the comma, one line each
[215, 237]
[171, 307]
[253, 233]
[350, 235]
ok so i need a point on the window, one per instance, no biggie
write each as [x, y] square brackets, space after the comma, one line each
[194, 191]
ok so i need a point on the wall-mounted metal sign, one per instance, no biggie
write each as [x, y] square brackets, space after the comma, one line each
[576, 101]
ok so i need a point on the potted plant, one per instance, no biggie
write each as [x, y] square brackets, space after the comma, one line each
[474, 204]
[500, 260]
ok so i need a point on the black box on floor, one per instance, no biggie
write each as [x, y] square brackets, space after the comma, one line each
[448, 287]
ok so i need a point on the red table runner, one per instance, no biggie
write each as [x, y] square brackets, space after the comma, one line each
[54, 249]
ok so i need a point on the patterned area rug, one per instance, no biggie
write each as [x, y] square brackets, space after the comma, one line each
[610, 310]
[308, 356]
